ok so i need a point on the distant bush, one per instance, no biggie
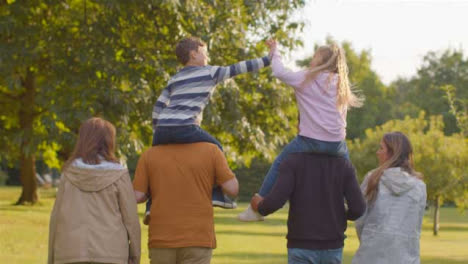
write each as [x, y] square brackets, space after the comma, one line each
[3, 178]
[250, 179]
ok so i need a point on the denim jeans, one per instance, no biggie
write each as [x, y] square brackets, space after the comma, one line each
[301, 144]
[309, 256]
[183, 135]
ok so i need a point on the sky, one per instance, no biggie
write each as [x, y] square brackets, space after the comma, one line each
[397, 33]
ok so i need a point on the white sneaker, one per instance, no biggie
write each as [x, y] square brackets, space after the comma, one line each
[249, 215]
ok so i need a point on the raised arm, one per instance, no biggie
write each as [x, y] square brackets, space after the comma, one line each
[221, 73]
[161, 103]
[295, 79]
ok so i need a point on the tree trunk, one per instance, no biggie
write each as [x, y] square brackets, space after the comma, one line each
[27, 158]
[28, 180]
[436, 215]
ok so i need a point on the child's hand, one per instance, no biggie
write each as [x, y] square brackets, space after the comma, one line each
[271, 43]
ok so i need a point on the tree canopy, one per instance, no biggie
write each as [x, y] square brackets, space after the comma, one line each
[65, 61]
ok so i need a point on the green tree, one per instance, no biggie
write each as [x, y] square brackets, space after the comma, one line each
[423, 91]
[458, 108]
[64, 61]
[441, 159]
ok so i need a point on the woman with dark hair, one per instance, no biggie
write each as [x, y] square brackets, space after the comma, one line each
[390, 229]
[94, 219]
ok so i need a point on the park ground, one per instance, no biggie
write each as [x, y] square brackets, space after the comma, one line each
[24, 235]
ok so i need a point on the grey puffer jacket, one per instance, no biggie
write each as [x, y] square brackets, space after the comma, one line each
[390, 229]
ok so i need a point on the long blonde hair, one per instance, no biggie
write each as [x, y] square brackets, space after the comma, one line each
[401, 155]
[96, 141]
[333, 59]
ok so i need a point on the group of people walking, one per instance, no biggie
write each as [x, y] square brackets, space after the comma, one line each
[185, 174]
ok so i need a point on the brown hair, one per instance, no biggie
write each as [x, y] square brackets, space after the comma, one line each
[185, 46]
[333, 59]
[401, 155]
[96, 141]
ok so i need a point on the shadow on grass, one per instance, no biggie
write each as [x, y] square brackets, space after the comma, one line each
[39, 207]
[258, 257]
[249, 233]
[232, 220]
[451, 228]
[429, 260]
[347, 258]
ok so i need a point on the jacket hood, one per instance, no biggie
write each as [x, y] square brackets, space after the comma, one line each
[398, 181]
[93, 179]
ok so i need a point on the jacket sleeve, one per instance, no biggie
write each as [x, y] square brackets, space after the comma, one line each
[221, 73]
[294, 79]
[53, 221]
[422, 209]
[50, 258]
[353, 195]
[360, 222]
[128, 209]
[281, 191]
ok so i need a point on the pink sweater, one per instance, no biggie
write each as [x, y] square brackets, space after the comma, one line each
[319, 117]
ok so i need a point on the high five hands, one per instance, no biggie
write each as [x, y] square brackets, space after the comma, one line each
[271, 43]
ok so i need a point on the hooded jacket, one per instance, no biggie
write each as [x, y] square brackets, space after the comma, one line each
[390, 229]
[94, 218]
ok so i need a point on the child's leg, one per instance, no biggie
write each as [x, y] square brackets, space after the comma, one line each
[200, 135]
[148, 205]
[197, 134]
[343, 150]
[336, 148]
[183, 135]
[146, 220]
[192, 134]
[162, 135]
[302, 144]
[296, 145]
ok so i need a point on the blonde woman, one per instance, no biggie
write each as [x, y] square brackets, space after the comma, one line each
[390, 229]
[323, 95]
[94, 219]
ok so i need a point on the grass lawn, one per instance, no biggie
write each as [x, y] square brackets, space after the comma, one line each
[24, 235]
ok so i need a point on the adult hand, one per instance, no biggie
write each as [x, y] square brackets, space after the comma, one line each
[256, 199]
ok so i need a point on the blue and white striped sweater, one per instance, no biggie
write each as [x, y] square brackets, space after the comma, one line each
[188, 92]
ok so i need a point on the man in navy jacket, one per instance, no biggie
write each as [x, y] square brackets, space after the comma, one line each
[317, 186]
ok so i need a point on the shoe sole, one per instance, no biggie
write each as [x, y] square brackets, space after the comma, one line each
[224, 205]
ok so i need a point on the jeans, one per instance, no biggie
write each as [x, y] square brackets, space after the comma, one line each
[309, 256]
[183, 135]
[301, 144]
